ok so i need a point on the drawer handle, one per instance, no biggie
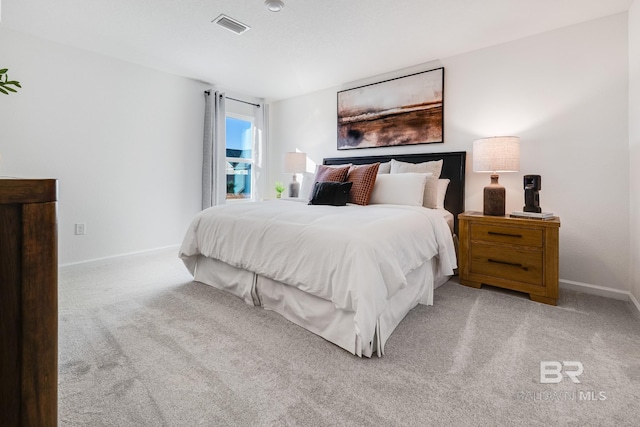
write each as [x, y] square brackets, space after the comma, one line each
[512, 264]
[503, 234]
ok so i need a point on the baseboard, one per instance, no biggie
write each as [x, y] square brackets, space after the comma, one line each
[595, 290]
[634, 302]
[115, 257]
[602, 291]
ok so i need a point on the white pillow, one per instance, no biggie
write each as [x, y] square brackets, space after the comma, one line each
[431, 187]
[442, 191]
[307, 185]
[434, 167]
[385, 167]
[399, 189]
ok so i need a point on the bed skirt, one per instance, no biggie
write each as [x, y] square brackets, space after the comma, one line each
[319, 315]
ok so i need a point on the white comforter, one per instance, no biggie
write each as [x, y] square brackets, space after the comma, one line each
[355, 256]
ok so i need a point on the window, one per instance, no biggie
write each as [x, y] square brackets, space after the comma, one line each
[240, 160]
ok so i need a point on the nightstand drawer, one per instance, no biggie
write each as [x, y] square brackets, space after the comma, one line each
[511, 253]
[505, 234]
[513, 264]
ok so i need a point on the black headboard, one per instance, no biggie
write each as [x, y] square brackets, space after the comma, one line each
[453, 168]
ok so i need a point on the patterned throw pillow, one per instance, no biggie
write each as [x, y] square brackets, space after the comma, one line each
[331, 173]
[363, 178]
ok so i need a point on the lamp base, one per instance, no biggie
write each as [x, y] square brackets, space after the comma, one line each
[294, 188]
[494, 198]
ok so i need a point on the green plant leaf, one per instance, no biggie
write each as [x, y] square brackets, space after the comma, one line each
[5, 82]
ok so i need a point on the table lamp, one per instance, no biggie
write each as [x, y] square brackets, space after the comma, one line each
[294, 163]
[496, 154]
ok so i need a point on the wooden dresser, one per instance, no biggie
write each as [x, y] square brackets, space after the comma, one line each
[28, 302]
[512, 253]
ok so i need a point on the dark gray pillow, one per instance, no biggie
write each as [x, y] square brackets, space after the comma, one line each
[330, 193]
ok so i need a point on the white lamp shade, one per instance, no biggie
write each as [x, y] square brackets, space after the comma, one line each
[496, 154]
[295, 162]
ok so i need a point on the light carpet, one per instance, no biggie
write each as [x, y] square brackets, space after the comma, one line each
[143, 345]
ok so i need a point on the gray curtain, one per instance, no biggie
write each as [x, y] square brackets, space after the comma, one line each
[214, 188]
[261, 114]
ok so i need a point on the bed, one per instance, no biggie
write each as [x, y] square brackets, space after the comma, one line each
[348, 274]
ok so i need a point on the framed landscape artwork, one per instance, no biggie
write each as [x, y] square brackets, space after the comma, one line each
[403, 111]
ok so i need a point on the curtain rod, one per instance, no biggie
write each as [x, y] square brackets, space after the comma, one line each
[208, 92]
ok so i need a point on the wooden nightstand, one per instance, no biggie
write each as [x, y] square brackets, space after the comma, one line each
[512, 253]
[28, 302]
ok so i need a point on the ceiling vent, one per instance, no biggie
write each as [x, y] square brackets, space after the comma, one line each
[231, 24]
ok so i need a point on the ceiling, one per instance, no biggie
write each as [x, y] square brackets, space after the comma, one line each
[310, 45]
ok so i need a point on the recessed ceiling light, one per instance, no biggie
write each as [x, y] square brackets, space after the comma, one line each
[274, 5]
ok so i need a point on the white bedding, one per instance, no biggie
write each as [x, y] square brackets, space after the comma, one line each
[356, 257]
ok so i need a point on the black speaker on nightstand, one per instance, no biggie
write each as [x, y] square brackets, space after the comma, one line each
[532, 185]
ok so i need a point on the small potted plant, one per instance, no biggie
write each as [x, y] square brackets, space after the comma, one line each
[279, 189]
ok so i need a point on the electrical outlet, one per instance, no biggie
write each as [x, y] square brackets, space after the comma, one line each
[80, 229]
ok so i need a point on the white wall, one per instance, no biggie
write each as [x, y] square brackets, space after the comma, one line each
[564, 93]
[124, 142]
[634, 146]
